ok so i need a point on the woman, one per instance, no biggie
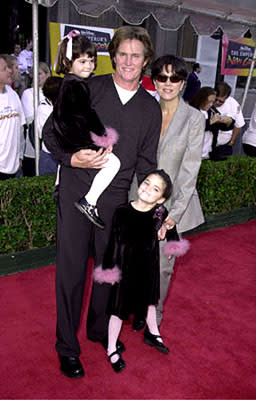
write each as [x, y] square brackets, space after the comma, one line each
[203, 101]
[179, 154]
[27, 100]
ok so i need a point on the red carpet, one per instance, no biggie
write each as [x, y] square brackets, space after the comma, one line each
[209, 325]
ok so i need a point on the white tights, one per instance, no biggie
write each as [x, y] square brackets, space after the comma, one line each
[115, 325]
[103, 178]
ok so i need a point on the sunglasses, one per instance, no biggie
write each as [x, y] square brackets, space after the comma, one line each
[164, 78]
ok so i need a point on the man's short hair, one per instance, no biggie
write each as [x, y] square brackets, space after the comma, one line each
[222, 89]
[131, 32]
[196, 66]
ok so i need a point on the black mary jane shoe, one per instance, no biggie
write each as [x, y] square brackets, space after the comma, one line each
[71, 366]
[151, 340]
[120, 347]
[120, 364]
[90, 212]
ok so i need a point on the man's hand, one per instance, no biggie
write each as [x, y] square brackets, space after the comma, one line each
[169, 223]
[89, 159]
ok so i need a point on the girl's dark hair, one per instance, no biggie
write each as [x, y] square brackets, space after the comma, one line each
[200, 98]
[80, 45]
[167, 180]
[51, 88]
[177, 63]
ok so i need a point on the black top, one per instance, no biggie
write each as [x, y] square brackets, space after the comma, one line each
[73, 116]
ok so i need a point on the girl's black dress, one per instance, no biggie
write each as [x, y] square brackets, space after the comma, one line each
[134, 249]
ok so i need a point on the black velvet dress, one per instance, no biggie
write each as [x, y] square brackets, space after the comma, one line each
[134, 249]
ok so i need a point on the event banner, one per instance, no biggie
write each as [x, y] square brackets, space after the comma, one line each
[237, 56]
[100, 36]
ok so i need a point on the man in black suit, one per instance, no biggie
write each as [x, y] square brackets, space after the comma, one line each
[193, 83]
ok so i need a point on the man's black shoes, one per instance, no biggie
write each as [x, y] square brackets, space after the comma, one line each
[90, 212]
[71, 366]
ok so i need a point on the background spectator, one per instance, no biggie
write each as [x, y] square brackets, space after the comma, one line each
[47, 163]
[11, 125]
[227, 106]
[27, 100]
[204, 101]
[249, 136]
[25, 64]
[16, 50]
[193, 83]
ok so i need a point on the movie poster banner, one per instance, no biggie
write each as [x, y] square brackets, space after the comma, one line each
[237, 56]
[100, 36]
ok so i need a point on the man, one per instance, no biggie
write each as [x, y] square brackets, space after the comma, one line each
[124, 105]
[11, 125]
[227, 105]
[193, 82]
[25, 64]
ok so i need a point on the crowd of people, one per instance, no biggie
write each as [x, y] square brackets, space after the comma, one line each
[127, 162]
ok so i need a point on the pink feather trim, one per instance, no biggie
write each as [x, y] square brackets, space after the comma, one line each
[176, 248]
[107, 275]
[109, 138]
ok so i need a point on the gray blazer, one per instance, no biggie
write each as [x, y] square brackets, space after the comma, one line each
[179, 154]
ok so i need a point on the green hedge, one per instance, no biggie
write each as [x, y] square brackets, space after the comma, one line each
[28, 213]
[227, 185]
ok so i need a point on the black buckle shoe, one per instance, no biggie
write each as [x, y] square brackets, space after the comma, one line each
[138, 323]
[120, 347]
[151, 340]
[120, 364]
[71, 366]
[90, 212]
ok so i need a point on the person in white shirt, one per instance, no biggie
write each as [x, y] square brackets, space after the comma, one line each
[11, 125]
[47, 163]
[25, 58]
[27, 100]
[204, 101]
[25, 64]
[227, 106]
[249, 136]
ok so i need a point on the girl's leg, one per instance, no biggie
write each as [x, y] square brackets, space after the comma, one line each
[114, 327]
[152, 336]
[152, 322]
[103, 178]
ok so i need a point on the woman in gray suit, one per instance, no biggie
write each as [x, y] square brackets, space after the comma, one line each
[179, 154]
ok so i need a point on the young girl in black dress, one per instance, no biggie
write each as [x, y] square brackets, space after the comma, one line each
[76, 125]
[131, 262]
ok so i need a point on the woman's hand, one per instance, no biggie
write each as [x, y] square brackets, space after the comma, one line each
[215, 118]
[226, 120]
[169, 223]
[89, 158]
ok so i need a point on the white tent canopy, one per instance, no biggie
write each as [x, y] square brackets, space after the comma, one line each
[206, 16]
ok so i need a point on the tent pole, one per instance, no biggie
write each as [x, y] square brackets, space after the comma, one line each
[248, 79]
[35, 78]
